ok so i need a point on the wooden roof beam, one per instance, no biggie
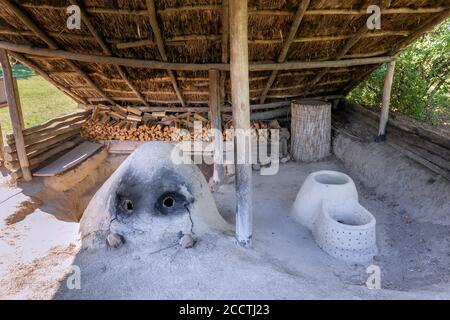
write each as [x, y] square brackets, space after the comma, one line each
[107, 50]
[50, 42]
[348, 46]
[284, 51]
[217, 7]
[22, 59]
[427, 26]
[151, 64]
[151, 8]
[225, 47]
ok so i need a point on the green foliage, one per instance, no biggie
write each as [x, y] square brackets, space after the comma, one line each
[421, 81]
[40, 102]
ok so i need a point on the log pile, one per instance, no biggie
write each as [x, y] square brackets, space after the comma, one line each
[45, 141]
[132, 124]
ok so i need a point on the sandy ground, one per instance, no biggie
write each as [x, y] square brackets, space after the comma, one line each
[37, 250]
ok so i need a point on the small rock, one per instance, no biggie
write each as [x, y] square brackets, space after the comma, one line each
[256, 167]
[187, 241]
[285, 160]
[115, 240]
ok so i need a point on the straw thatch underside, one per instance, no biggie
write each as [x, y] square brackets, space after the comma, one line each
[192, 33]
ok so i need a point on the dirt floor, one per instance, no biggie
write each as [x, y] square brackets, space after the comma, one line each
[37, 251]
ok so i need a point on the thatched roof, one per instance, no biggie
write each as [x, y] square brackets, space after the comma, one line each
[194, 32]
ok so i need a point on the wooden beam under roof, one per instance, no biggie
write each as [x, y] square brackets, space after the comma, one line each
[225, 47]
[160, 43]
[24, 60]
[26, 20]
[151, 64]
[427, 26]
[251, 12]
[284, 51]
[347, 47]
[107, 50]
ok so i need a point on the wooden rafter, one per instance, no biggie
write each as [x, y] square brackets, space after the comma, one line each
[51, 43]
[151, 64]
[151, 8]
[225, 47]
[284, 51]
[181, 40]
[46, 76]
[347, 47]
[107, 50]
[251, 12]
[321, 94]
[427, 26]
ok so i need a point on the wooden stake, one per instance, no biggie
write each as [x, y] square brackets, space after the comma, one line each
[14, 113]
[240, 92]
[386, 100]
[216, 125]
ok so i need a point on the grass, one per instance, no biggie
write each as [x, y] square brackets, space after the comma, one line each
[40, 102]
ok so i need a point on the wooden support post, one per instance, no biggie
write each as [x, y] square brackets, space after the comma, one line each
[240, 92]
[14, 112]
[384, 118]
[216, 125]
[19, 105]
[2, 143]
[225, 48]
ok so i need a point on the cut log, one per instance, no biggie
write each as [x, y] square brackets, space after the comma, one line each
[135, 111]
[134, 118]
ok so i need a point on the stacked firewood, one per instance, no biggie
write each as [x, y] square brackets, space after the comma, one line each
[131, 124]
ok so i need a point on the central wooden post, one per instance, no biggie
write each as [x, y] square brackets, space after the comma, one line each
[216, 125]
[240, 93]
[15, 113]
[384, 118]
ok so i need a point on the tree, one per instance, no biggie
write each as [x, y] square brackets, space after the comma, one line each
[421, 82]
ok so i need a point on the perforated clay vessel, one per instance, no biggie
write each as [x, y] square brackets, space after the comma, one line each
[328, 205]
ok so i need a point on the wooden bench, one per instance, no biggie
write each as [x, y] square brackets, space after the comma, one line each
[69, 160]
